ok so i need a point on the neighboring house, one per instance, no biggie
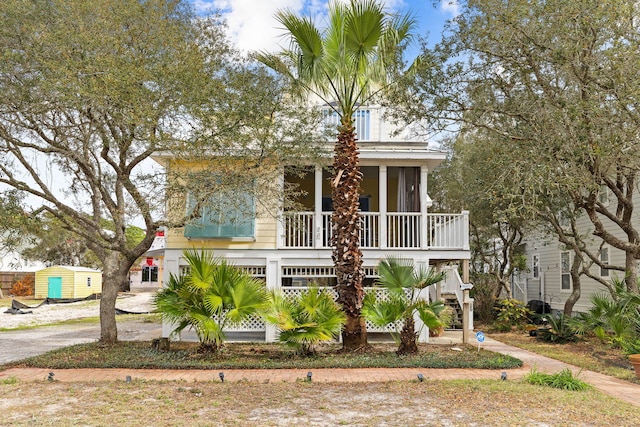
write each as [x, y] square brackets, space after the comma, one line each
[146, 274]
[61, 281]
[549, 263]
[293, 250]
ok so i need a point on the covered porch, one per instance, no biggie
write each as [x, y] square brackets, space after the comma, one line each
[394, 213]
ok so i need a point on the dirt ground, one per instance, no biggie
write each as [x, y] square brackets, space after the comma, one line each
[436, 403]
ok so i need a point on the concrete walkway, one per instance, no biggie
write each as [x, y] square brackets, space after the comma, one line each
[622, 390]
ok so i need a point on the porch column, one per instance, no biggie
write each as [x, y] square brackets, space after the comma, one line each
[424, 220]
[423, 337]
[317, 203]
[171, 266]
[273, 271]
[465, 231]
[382, 194]
[466, 304]
[281, 237]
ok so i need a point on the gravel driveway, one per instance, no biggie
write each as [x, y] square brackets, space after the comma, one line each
[22, 343]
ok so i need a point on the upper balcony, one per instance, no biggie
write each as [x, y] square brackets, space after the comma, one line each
[391, 230]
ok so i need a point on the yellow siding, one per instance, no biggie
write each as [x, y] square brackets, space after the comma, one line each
[265, 238]
[80, 288]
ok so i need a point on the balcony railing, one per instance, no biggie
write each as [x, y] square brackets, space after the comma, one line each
[393, 230]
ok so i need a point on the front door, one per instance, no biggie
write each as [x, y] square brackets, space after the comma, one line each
[55, 287]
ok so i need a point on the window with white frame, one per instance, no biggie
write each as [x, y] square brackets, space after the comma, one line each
[604, 259]
[565, 271]
[535, 266]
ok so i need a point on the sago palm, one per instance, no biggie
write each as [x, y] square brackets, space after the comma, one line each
[212, 296]
[345, 65]
[305, 320]
[404, 284]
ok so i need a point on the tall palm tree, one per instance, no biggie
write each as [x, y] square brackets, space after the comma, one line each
[345, 65]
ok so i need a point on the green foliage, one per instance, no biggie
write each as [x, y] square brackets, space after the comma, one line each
[309, 318]
[10, 380]
[564, 380]
[351, 60]
[15, 222]
[512, 313]
[559, 329]
[213, 295]
[404, 284]
[613, 319]
[525, 82]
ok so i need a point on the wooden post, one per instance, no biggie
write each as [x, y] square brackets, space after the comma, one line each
[466, 304]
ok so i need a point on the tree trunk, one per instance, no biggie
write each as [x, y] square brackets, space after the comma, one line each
[408, 338]
[347, 256]
[354, 334]
[575, 295]
[631, 278]
[115, 274]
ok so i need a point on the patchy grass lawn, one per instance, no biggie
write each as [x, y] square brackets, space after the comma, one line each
[588, 353]
[186, 355]
[442, 403]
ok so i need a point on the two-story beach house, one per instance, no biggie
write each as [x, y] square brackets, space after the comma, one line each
[291, 250]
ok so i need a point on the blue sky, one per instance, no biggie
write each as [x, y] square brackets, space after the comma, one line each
[252, 27]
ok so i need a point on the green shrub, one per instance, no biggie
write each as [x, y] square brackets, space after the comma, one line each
[512, 313]
[405, 283]
[613, 318]
[563, 380]
[214, 295]
[309, 318]
[559, 329]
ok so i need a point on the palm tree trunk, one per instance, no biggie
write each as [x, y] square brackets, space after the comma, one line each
[347, 256]
[408, 338]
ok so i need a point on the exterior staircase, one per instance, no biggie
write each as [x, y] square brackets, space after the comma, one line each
[451, 300]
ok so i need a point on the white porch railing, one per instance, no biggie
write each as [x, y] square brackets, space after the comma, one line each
[404, 230]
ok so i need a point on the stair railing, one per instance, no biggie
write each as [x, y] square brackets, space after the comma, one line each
[453, 284]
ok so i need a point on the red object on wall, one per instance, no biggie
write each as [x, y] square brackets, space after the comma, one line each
[149, 261]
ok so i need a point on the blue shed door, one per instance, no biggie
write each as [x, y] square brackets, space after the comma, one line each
[55, 287]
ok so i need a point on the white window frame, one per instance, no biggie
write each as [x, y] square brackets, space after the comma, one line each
[565, 271]
[535, 265]
[605, 272]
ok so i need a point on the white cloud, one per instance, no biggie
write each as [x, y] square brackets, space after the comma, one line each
[252, 25]
[451, 7]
